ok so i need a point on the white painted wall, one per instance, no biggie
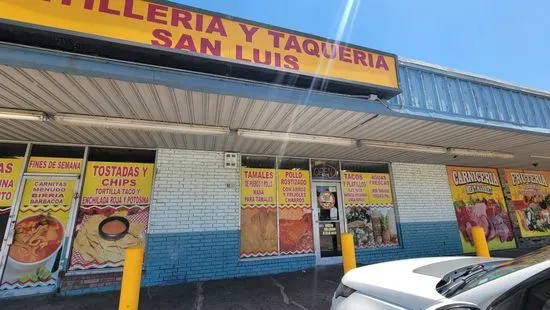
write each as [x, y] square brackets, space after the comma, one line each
[422, 193]
[193, 191]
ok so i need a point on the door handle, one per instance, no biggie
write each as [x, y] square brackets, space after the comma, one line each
[11, 234]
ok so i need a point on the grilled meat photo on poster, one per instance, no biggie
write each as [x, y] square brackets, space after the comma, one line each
[479, 201]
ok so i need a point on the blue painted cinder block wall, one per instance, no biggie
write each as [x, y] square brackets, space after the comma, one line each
[199, 256]
[418, 239]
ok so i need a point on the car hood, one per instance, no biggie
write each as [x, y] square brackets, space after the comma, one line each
[409, 283]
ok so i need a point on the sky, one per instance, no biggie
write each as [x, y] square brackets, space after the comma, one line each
[507, 40]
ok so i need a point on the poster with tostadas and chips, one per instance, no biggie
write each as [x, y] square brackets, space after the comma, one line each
[111, 191]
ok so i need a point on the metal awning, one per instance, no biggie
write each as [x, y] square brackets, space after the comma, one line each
[55, 92]
[53, 83]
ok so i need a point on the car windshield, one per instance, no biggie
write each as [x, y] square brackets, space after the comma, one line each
[499, 270]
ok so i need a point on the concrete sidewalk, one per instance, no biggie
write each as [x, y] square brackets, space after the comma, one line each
[308, 289]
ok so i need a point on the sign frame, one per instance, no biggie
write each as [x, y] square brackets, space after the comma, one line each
[91, 44]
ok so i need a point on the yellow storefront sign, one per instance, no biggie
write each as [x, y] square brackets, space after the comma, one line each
[59, 165]
[10, 170]
[115, 183]
[294, 187]
[366, 189]
[258, 186]
[175, 27]
[531, 199]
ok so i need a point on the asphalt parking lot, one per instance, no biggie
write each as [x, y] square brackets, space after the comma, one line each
[307, 289]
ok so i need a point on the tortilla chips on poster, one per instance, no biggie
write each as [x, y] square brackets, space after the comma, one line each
[531, 198]
[295, 217]
[258, 212]
[478, 201]
[369, 209]
[34, 255]
[10, 170]
[111, 191]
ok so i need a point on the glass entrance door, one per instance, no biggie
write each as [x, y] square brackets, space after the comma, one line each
[329, 223]
[38, 233]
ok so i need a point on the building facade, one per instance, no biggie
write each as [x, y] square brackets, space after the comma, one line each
[247, 173]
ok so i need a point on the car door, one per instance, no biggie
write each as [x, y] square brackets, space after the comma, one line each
[532, 294]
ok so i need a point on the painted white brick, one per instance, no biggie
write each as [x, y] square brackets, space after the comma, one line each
[422, 193]
[191, 193]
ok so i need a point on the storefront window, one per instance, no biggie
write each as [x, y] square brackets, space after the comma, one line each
[11, 162]
[259, 225]
[44, 211]
[114, 207]
[294, 206]
[368, 201]
[275, 207]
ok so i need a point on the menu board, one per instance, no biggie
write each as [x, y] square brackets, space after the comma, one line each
[294, 188]
[117, 184]
[295, 217]
[41, 225]
[369, 209]
[113, 213]
[372, 189]
[531, 198]
[478, 201]
[258, 212]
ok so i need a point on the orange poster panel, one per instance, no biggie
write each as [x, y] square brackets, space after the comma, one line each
[258, 232]
[295, 226]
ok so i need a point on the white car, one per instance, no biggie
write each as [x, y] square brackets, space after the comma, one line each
[442, 283]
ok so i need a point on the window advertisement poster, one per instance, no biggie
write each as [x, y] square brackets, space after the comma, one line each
[479, 201]
[10, 170]
[295, 217]
[40, 228]
[113, 213]
[258, 212]
[531, 199]
[370, 213]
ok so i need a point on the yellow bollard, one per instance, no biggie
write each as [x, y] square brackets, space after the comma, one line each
[480, 243]
[131, 278]
[348, 252]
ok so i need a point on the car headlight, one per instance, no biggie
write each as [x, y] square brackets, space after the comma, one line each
[343, 291]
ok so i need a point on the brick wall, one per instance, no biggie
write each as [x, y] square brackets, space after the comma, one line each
[193, 192]
[194, 225]
[422, 193]
[87, 283]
